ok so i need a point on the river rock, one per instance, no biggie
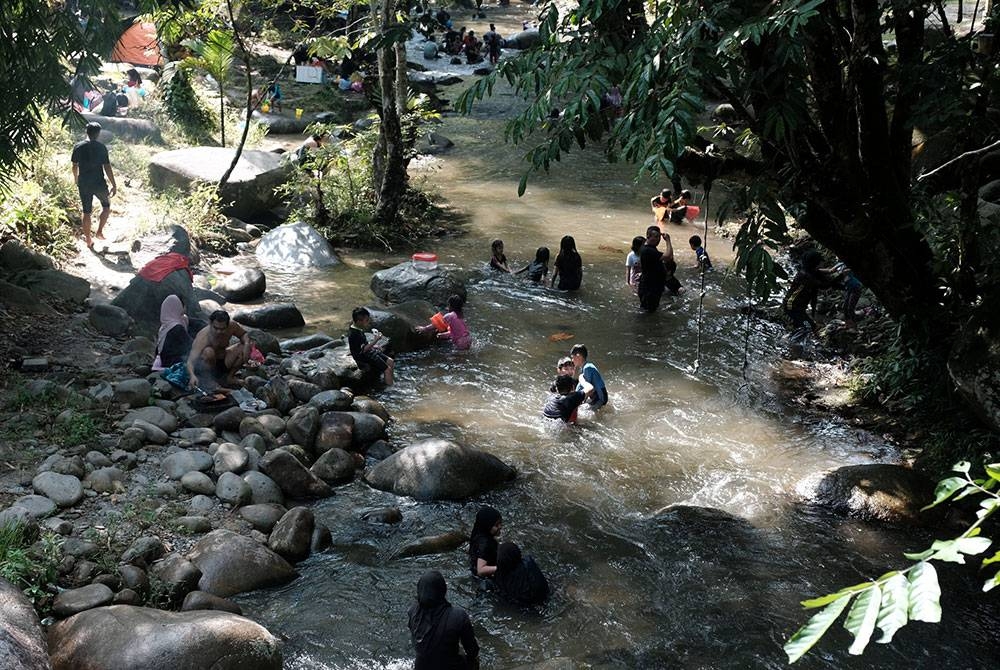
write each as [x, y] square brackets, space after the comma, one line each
[405, 282]
[63, 490]
[157, 416]
[142, 298]
[303, 425]
[200, 600]
[181, 462]
[335, 466]
[305, 342]
[79, 548]
[432, 544]
[233, 490]
[295, 245]
[230, 457]
[133, 392]
[198, 482]
[263, 489]
[367, 429]
[38, 507]
[110, 320]
[295, 480]
[132, 439]
[265, 341]
[84, 598]
[433, 143]
[98, 460]
[333, 400]
[53, 285]
[275, 425]
[292, 535]
[15, 257]
[144, 550]
[106, 480]
[178, 575]
[439, 470]
[363, 403]
[229, 419]
[276, 316]
[263, 516]
[400, 323]
[303, 390]
[251, 425]
[243, 285]
[388, 515]
[105, 638]
[22, 640]
[254, 443]
[526, 39]
[251, 186]
[199, 436]
[379, 450]
[336, 431]
[877, 492]
[231, 564]
[277, 394]
[130, 127]
[193, 524]
[65, 465]
[333, 368]
[201, 504]
[151, 433]
[18, 516]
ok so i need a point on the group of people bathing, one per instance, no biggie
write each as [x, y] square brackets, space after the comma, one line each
[438, 628]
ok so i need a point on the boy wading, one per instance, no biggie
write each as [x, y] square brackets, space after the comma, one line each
[90, 164]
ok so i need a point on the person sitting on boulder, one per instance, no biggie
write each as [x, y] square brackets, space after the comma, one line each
[368, 355]
[212, 355]
[518, 579]
[173, 343]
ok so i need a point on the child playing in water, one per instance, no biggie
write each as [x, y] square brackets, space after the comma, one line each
[566, 399]
[537, 269]
[457, 331]
[633, 269]
[563, 367]
[587, 373]
[568, 266]
[679, 208]
[703, 262]
[498, 261]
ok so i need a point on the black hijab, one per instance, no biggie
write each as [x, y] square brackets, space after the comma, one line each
[431, 607]
[486, 518]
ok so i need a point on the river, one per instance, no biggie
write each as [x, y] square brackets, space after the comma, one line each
[632, 589]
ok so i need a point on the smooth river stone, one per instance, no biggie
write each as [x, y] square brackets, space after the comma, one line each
[178, 463]
[78, 600]
[63, 490]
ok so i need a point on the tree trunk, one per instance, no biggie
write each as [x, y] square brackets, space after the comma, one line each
[222, 114]
[402, 81]
[392, 182]
[249, 103]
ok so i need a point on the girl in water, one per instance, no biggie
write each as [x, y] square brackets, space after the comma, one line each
[537, 269]
[457, 331]
[568, 266]
[498, 261]
[483, 542]
[633, 270]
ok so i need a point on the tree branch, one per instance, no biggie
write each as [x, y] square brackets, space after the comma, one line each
[959, 158]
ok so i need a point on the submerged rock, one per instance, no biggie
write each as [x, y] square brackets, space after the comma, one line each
[406, 282]
[877, 492]
[124, 636]
[439, 470]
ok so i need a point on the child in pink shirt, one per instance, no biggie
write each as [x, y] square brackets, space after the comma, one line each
[457, 331]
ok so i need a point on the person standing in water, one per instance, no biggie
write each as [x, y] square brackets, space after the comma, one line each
[588, 372]
[498, 261]
[537, 269]
[653, 281]
[568, 266]
[483, 542]
[90, 165]
[437, 628]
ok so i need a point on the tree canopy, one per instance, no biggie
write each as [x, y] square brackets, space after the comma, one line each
[827, 99]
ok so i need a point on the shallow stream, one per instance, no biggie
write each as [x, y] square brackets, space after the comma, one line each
[633, 589]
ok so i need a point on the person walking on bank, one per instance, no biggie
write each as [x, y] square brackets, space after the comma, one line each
[437, 628]
[90, 164]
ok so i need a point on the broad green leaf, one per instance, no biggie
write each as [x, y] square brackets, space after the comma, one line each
[805, 637]
[973, 546]
[919, 556]
[947, 551]
[962, 466]
[995, 558]
[990, 583]
[947, 488]
[993, 470]
[924, 594]
[893, 614]
[861, 618]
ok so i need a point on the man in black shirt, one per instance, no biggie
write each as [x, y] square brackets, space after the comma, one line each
[368, 354]
[566, 400]
[90, 164]
[654, 274]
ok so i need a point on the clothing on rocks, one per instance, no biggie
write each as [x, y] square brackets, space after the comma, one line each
[437, 628]
[482, 544]
[158, 268]
[519, 579]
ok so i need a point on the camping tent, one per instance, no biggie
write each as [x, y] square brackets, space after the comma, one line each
[138, 45]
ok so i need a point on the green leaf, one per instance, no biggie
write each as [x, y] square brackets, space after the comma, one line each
[995, 558]
[893, 614]
[523, 184]
[990, 583]
[962, 466]
[805, 637]
[945, 489]
[947, 551]
[861, 618]
[993, 470]
[924, 594]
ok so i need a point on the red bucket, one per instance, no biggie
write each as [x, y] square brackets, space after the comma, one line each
[439, 322]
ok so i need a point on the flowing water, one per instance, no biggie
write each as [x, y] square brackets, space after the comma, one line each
[632, 588]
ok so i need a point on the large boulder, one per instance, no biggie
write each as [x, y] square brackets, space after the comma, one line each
[142, 297]
[22, 641]
[124, 636]
[525, 39]
[231, 563]
[335, 466]
[292, 535]
[332, 369]
[243, 285]
[439, 470]
[295, 481]
[876, 492]
[250, 190]
[15, 257]
[407, 282]
[306, 342]
[270, 317]
[974, 366]
[126, 127]
[295, 245]
[55, 285]
[303, 425]
[336, 431]
[400, 322]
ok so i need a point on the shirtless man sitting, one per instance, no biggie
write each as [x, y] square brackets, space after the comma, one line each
[212, 354]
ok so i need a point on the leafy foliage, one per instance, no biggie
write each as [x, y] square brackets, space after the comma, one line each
[913, 594]
[182, 104]
[215, 56]
[31, 566]
[203, 217]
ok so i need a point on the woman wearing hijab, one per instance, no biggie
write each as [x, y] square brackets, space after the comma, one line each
[173, 343]
[437, 628]
[519, 580]
[483, 542]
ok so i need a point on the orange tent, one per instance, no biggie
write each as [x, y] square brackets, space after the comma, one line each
[138, 45]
